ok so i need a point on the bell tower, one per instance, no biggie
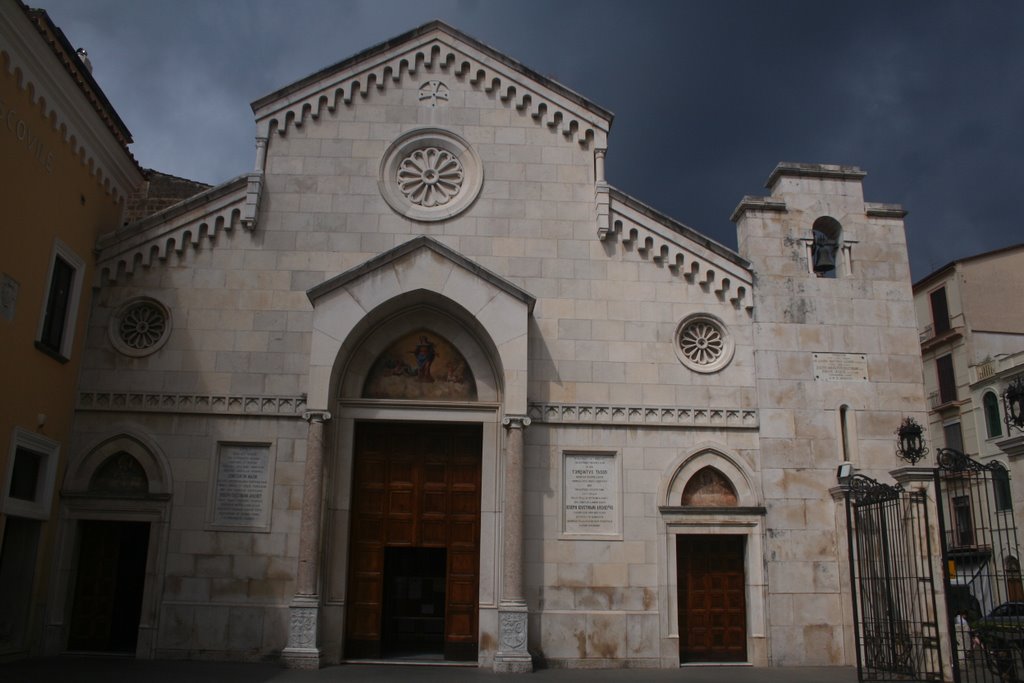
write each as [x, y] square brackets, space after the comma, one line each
[837, 367]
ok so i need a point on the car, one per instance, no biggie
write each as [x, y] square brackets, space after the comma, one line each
[1005, 622]
[1001, 634]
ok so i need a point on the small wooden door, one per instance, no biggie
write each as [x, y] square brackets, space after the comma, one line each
[712, 605]
[108, 586]
[414, 486]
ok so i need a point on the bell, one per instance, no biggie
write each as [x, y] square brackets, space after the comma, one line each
[824, 254]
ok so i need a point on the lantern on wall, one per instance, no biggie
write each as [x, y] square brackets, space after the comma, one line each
[1013, 403]
[910, 445]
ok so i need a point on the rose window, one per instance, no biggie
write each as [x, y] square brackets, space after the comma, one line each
[140, 327]
[702, 343]
[430, 176]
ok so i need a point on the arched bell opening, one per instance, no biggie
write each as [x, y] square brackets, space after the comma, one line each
[826, 246]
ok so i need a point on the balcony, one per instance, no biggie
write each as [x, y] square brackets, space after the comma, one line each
[931, 339]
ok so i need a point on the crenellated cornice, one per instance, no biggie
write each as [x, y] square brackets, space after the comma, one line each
[434, 48]
[696, 259]
[212, 404]
[177, 228]
[648, 416]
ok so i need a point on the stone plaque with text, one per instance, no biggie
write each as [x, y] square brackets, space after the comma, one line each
[840, 367]
[242, 489]
[590, 495]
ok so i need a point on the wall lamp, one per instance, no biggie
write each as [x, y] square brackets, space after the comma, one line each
[910, 444]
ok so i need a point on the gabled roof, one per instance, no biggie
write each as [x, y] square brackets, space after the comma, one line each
[433, 45]
[415, 244]
[82, 77]
[47, 68]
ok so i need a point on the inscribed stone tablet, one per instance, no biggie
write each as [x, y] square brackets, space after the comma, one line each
[840, 367]
[590, 495]
[242, 491]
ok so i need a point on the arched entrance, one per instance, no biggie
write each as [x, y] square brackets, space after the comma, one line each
[414, 514]
[369, 326]
[711, 579]
[714, 526]
[115, 511]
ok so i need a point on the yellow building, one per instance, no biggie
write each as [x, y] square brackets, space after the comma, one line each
[65, 170]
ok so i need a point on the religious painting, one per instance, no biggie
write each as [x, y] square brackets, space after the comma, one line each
[421, 365]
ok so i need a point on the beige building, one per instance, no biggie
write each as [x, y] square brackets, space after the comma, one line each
[972, 346]
[65, 170]
[422, 384]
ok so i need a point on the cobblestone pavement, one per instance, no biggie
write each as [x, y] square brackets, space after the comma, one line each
[114, 670]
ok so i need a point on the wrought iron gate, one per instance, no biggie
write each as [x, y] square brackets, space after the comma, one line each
[895, 617]
[984, 593]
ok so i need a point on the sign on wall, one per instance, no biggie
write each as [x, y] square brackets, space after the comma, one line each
[591, 494]
[242, 487]
[840, 367]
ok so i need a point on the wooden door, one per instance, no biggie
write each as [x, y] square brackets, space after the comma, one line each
[712, 604]
[108, 586]
[414, 486]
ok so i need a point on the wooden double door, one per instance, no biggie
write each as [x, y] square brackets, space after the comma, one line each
[414, 548]
[712, 601]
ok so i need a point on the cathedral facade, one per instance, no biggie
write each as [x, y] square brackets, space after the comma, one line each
[423, 385]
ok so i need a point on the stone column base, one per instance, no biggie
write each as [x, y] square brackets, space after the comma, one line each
[302, 652]
[512, 655]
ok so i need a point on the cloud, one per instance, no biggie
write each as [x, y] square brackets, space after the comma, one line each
[927, 97]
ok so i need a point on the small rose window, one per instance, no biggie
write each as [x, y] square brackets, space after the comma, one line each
[430, 176]
[703, 344]
[140, 327]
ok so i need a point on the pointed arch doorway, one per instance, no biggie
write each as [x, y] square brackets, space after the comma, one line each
[714, 527]
[420, 285]
[417, 441]
[711, 579]
[115, 511]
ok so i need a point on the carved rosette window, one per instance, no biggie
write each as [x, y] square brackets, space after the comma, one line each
[703, 344]
[430, 175]
[140, 327]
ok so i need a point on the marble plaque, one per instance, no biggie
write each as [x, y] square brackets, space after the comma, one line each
[242, 489]
[840, 367]
[590, 494]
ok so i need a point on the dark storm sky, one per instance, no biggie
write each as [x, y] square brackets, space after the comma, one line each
[927, 97]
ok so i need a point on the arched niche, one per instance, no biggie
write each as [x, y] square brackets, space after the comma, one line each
[421, 365]
[119, 475]
[417, 276]
[105, 455]
[711, 458]
[423, 314]
[709, 488]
